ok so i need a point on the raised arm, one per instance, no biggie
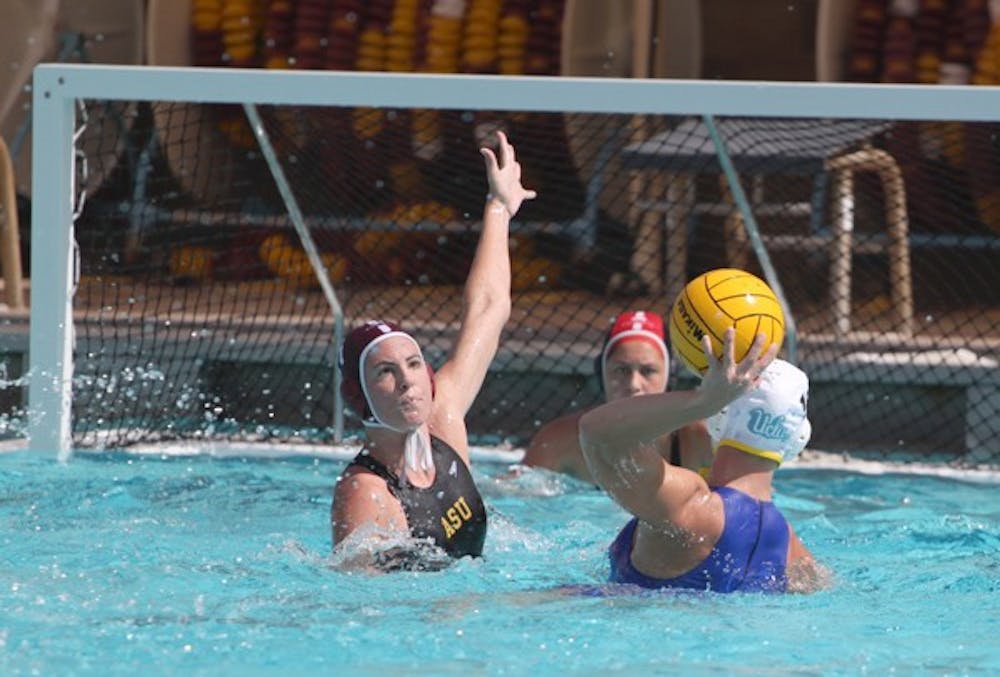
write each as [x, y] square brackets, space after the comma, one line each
[486, 300]
[617, 438]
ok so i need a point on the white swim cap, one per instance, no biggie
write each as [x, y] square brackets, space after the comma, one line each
[771, 420]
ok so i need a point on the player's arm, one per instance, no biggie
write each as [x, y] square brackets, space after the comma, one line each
[618, 438]
[362, 499]
[486, 298]
[619, 446]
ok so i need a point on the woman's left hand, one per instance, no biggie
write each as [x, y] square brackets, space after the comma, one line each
[504, 176]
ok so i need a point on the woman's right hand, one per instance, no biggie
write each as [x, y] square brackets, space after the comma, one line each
[504, 176]
[726, 379]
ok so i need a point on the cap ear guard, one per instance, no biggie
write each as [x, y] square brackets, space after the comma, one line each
[771, 420]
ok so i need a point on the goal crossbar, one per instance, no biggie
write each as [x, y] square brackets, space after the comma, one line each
[514, 93]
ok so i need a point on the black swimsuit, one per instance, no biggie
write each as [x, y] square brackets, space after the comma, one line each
[450, 511]
[675, 450]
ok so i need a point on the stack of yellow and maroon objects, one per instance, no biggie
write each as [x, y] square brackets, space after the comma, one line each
[512, 43]
[342, 40]
[279, 33]
[480, 37]
[508, 37]
[866, 43]
[543, 47]
[241, 24]
[441, 46]
[401, 39]
[899, 52]
[930, 29]
[206, 32]
[311, 25]
[226, 32]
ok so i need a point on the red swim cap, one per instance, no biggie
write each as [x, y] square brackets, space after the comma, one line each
[349, 362]
[635, 325]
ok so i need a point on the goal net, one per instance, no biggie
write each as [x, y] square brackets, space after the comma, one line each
[255, 214]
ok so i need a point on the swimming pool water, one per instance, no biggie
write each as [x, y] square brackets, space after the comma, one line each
[116, 564]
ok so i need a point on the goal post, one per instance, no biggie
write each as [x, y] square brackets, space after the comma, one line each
[819, 187]
[50, 347]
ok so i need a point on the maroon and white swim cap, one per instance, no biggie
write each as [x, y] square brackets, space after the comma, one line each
[358, 343]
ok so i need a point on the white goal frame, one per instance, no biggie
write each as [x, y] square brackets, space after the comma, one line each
[58, 87]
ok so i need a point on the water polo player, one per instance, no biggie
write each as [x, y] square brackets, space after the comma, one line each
[412, 477]
[724, 535]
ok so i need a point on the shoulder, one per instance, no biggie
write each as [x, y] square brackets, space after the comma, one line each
[554, 442]
[673, 543]
[695, 428]
[356, 481]
[564, 429]
[694, 436]
[442, 448]
[447, 424]
[361, 498]
[701, 510]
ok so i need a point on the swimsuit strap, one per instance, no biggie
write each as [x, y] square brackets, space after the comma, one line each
[675, 449]
[366, 461]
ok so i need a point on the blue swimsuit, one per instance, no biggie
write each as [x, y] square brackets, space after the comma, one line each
[749, 556]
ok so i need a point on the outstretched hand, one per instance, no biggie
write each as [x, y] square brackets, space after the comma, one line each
[504, 176]
[727, 379]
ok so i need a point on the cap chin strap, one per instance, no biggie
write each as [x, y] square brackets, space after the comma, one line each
[417, 445]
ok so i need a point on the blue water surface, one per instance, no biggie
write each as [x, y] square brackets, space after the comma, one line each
[116, 564]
